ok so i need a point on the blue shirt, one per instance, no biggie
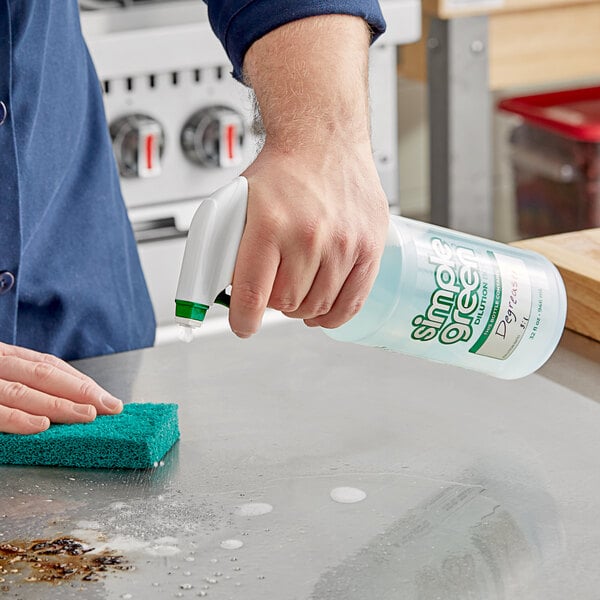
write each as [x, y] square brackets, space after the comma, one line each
[70, 278]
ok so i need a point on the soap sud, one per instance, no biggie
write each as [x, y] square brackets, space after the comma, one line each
[253, 509]
[163, 550]
[168, 539]
[165, 546]
[347, 495]
[231, 544]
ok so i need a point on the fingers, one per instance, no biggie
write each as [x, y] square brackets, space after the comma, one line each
[294, 279]
[32, 355]
[255, 269]
[350, 299]
[13, 420]
[18, 396]
[58, 382]
[37, 389]
[324, 290]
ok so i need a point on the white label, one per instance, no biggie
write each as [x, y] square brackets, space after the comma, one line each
[512, 309]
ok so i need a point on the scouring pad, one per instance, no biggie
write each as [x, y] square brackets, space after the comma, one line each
[135, 439]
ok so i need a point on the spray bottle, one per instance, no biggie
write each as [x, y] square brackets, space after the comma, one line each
[442, 295]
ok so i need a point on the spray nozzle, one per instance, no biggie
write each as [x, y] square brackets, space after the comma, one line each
[210, 252]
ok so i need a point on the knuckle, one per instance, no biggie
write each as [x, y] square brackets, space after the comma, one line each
[15, 391]
[86, 389]
[369, 248]
[50, 359]
[319, 308]
[354, 307]
[55, 405]
[43, 370]
[250, 297]
[13, 418]
[342, 314]
[284, 304]
[341, 243]
[310, 234]
[362, 274]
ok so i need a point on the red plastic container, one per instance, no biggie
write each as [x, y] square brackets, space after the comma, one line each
[555, 155]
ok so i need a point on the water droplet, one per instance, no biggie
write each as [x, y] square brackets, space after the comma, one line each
[237, 568]
[186, 586]
[347, 495]
[233, 558]
[187, 573]
[253, 509]
[231, 544]
[214, 560]
[156, 584]
[202, 593]
[261, 576]
[190, 559]
[210, 580]
[126, 596]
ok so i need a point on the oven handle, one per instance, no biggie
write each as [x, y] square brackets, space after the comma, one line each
[155, 230]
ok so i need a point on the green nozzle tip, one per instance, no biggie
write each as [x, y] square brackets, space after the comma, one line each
[190, 310]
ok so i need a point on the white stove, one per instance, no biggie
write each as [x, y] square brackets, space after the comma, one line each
[182, 126]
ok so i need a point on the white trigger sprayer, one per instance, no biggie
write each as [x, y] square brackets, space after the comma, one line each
[210, 252]
[439, 294]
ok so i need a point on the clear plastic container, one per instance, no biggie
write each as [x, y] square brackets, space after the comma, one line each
[555, 155]
[461, 300]
[557, 182]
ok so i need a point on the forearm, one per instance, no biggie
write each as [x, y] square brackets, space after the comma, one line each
[311, 83]
[317, 216]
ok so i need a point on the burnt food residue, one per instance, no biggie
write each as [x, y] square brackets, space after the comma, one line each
[54, 561]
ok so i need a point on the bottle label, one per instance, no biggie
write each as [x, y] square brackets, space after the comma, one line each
[481, 297]
[510, 308]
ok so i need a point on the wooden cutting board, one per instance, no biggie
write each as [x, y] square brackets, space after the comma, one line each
[577, 257]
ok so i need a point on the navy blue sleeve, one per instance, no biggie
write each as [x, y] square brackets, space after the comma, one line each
[239, 23]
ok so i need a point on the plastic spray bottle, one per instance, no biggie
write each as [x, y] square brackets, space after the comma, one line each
[439, 294]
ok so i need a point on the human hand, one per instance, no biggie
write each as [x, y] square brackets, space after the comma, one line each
[317, 216]
[37, 389]
[315, 232]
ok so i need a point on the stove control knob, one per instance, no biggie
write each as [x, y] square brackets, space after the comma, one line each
[138, 143]
[213, 137]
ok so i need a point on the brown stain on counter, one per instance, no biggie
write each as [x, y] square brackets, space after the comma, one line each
[54, 561]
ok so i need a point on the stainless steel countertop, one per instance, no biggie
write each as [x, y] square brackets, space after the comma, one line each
[476, 488]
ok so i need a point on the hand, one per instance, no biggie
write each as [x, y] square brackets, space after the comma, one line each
[315, 232]
[317, 215]
[37, 389]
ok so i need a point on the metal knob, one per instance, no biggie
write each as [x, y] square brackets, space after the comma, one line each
[138, 144]
[213, 137]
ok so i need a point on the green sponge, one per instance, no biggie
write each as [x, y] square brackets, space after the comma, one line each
[135, 439]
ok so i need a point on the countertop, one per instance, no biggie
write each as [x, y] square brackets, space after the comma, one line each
[475, 487]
